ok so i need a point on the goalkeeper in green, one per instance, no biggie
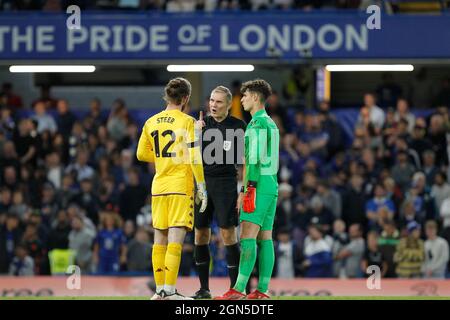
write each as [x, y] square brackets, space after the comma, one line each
[259, 193]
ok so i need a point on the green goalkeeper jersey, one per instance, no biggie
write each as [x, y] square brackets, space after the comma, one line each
[262, 140]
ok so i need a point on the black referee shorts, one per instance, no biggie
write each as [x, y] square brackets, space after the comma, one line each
[222, 197]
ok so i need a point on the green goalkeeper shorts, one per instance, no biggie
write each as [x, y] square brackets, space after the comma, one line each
[264, 214]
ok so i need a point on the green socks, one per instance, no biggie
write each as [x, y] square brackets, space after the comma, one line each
[266, 256]
[246, 263]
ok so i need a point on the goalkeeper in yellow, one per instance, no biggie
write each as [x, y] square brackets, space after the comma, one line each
[169, 140]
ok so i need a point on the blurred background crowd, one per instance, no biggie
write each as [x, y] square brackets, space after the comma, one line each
[72, 190]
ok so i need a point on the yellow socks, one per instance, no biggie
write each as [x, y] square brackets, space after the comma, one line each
[158, 261]
[172, 265]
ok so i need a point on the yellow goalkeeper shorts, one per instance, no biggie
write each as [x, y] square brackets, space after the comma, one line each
[173, 210]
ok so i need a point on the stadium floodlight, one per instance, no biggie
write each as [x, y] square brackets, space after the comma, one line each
[369, 67]
[48, 68]
[210, 68]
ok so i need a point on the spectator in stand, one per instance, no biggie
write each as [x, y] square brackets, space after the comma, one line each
[26, 143]
[55, 170]
[274, 107]
[18, 206]
[403, 112]
[410, 253]
[80, 167]
[286, 255]
[35, 246]
[95, 114]
[419, 142]
[408, 213]
[353, 252]
[66, 191]
[421, 195]
[373, 206]
[64, 118]
[354, 201]
[44, 120]
[48, 206]
[440, 189]
[129, 230]
[88, 200]
[320, 215]
[9, 156]
[340, 240]
[373, 256]
[73, 211]
[389, 91]
[22, 264]
[284, 207]
[429, 167]
[10, 236]
[13, 101]
[314, 136]
[108, 195]
[332, 127]
[318, 261]
[46, 98]
[444, 213]
[387, 243]
[437, 134]
[58, 237]
[436, 252]
[139, 250]
[80, 240]
[403, 171]
[118, 120]
[330, 198]
[110, 251]
[372, 112]
[10, 178]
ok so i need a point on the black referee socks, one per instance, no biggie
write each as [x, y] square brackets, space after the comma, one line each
[233, 255]
[202, 261]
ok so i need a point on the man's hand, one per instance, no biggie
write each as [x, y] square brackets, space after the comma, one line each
[200, 123]
[201, 196]
[250, 197]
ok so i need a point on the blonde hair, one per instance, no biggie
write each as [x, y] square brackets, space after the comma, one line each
[226, 91]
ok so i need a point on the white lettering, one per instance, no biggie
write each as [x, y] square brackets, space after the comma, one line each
[3, 30]
[99, 38]
[224, 44]
[26, 38]
[277, 39]
[187, 34]
[338, 37]
[260, 37]
[45, 36]
[141, 35]
[75, 37]
[352, 37]
[158, 34]
[310, 37]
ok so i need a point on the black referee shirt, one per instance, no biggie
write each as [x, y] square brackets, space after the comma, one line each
[230, 138]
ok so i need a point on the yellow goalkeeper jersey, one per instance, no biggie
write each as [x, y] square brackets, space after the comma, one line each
[169, 140]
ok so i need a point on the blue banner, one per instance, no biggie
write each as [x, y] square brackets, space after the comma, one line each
[223, 36]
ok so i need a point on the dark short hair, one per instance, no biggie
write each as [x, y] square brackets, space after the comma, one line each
[258, 86]
[176, 90]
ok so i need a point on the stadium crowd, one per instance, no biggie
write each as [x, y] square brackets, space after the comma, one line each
[72, 188]
[223, 5]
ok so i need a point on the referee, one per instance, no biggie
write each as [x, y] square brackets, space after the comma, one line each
[222, 139]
